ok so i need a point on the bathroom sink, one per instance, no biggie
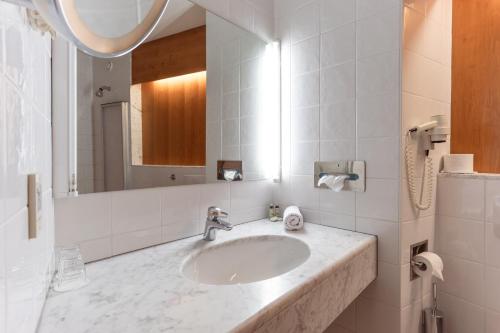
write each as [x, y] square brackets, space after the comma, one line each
[246, 260]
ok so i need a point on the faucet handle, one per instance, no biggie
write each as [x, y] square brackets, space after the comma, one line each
[216, 212]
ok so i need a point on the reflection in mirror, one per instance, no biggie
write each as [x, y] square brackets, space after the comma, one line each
[199, 91]
[112, 18]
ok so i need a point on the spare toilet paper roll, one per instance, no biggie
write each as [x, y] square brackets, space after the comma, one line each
[293, 219]
[458, 163]
[433, 265]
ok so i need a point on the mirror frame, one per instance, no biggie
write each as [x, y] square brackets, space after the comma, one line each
[64, 18]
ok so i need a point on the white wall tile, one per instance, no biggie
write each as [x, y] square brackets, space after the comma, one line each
[378, 116]
[461, 197]
[305, 124]
[338, 121]
[373, 317]
[135, 240]
[335, 13]
[464, 279]
[338, 83]
[305, 56]
[492, 197]
[337, 202]
[387, 237]
[461, 238]
[135, 210]
[378, 33]
[367, 7]
[378, 74]
[83, 218]
[492, 236]
[386, 287]
[337, 150]
[303, 156]
[381, 156]
[3, 305]
[492, 321]
[96, 249]
[492, 289]
[413, 232]
[181, 205]
[380, 200]
[305, 22]
[461, 316]
[338, 45]
[305, 90]
[179, 230]
[341, 221]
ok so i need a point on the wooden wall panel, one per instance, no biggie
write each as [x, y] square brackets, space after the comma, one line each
[476, 82]
[173, 121]
[170, 56]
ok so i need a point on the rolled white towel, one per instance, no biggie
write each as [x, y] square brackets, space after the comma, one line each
[293, 219]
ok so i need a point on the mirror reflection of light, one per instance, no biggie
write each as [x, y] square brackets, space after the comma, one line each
[269, 128]
[182, 78]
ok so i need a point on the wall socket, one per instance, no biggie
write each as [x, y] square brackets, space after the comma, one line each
[34, 204]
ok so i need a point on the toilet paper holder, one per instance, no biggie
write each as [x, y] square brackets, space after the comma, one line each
[416, 249]
[354, 169]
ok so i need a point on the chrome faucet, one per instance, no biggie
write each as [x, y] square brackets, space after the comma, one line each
[215, 222]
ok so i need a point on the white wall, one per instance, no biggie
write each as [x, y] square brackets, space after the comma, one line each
[25, 147]
[468, 240]
[111, 223]
[426, 92]
[341, 100]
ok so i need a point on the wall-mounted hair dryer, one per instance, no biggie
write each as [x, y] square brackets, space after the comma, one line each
[435, 131]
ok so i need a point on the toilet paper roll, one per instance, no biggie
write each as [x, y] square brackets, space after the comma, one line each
[432, 265]
[458, 163]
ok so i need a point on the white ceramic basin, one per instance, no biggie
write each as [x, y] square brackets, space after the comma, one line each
[246, 260]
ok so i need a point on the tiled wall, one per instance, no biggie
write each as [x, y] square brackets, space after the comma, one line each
[107, 224]
[256, 16]
[341, 100]
[25, 147]
[468, 240]
[426, 91]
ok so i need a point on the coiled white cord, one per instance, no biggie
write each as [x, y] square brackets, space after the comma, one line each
[425, 200]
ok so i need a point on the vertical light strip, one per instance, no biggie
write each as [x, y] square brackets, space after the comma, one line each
[269, 118]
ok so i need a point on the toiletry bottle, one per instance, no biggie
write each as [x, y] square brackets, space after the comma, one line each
[270, 214]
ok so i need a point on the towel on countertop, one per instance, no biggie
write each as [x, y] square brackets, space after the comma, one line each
[293, 219]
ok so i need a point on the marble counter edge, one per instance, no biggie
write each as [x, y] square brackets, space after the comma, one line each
[279, 305]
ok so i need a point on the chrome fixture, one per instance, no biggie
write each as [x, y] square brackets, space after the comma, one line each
[215, 222]
[100, 91]
[354, 172]
[101, 29]
[416, 249]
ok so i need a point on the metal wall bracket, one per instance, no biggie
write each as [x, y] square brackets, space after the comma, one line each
[356, 170]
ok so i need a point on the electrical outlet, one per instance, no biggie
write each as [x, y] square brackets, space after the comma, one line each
[34, 205]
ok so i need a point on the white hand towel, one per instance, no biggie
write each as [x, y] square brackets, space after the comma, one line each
[293, 219]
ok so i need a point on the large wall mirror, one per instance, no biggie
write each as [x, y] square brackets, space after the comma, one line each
[197, 100]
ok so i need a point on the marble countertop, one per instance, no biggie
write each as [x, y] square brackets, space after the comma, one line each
[145, 291]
